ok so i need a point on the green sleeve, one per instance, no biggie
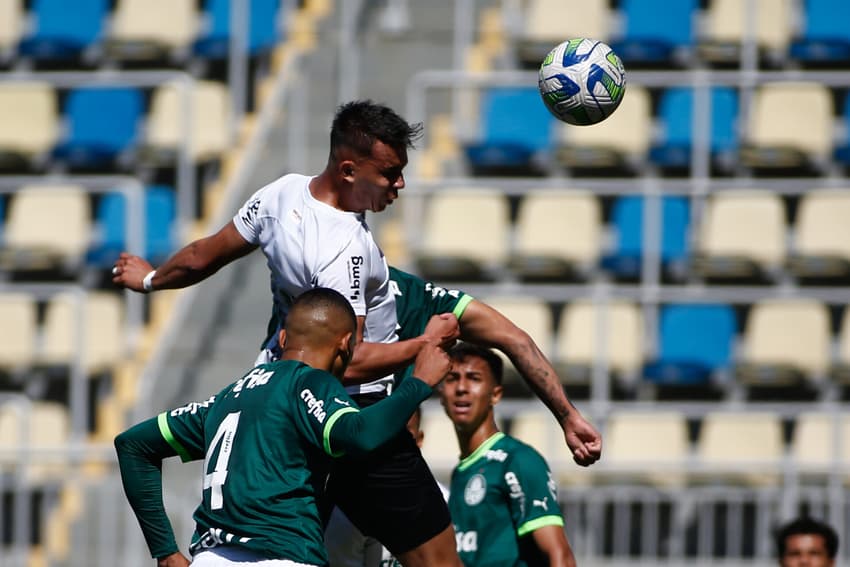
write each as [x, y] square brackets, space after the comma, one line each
[140, 452]
[356, 432]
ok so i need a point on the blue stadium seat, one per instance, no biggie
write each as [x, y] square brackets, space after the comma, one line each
[676, 115]
[62, 33]
[627, 217]
[263, 28]
[842, 152]
[826, 34]
[655, 30]
[160, 212]
[103, 123]
[516, 126]
[694, 342]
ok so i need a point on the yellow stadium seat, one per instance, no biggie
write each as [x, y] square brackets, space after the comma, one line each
[822, 236]
[727, 27]
[151, 29]
[18, 331]
[740, 448]
[30, 118]
[647, 447]
[549, 22]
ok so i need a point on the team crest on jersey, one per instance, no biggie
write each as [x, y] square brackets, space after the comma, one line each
[476, 488]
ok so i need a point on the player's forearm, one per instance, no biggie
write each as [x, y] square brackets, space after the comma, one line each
[540, 376]
[375, 360]
[188, 266]
[371, 427]
[140, 452]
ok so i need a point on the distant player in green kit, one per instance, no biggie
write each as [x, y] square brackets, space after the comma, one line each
[267, 442]
[502, 497]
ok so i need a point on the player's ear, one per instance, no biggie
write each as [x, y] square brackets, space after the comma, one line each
[345, 347]
[346, 169]
[496, 395]
[281, 338]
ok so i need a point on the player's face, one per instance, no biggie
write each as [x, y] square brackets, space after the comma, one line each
[377, 179]
[805, 550]
[469, 393]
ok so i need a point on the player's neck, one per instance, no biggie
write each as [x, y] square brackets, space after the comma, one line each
[470, 441]
[324, 189]
[320, 360]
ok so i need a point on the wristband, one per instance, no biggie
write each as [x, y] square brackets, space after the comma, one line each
[147, 283]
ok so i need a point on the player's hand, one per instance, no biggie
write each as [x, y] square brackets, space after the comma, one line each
[432, 364]
[443, 330]
[130, 271]
[582, 439]
[176, 559]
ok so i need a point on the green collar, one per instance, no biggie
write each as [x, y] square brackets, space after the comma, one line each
[480, 451]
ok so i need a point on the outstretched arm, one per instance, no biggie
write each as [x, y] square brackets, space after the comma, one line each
[553, 545]
[484, 325]
[189, 265]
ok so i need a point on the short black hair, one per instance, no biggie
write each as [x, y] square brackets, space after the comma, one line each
[807, 526]
[461, 351]
[323, 298]
[358, 124]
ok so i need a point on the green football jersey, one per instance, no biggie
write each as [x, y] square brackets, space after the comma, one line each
[269, 445]
[416, 300]
[499, 494]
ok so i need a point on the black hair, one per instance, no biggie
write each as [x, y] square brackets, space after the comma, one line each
[358, 124]
[326, 298]
[461, 351]
[807, 526]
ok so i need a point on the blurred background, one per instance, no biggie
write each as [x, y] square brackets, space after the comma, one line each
[684, 263]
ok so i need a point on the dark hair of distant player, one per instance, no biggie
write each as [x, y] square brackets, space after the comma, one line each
[461, 351]
[807, 526]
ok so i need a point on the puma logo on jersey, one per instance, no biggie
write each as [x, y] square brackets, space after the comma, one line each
[542, 503]
[315, 407]
[466, 541]
[343, 402]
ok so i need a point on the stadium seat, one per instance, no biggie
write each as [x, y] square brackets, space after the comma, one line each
[48, 227]
[647, 447]
[742, 236]
[103, 339]
[516, 130]
[813, 443]
[726, 29]
[825, 36]
[656, 31]
[779, 139]
[263, 28]
[578, 347]
[676, 115]
[558, 235]
[786, 344]
[439, 447]
[449, 251]
[740, 448]
[695, 341]
[18, 331]
[61, 34]
[842, 149]
[537, 428]
[42, 427]
[151, 30]
[111, 226]
[535, 318]
[11, 27]
[102, 127]
[822, 237]
[626, 259]
[210, 117]
[549, 22]
[30, 118]
[619, 142]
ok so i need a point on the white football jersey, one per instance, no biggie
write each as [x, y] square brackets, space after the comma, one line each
[310, 244]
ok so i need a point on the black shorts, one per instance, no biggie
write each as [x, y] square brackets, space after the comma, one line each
[390, 494]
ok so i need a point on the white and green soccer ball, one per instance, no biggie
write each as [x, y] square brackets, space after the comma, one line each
[582, 81]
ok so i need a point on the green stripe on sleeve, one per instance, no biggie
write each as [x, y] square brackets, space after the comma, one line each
[460, 306]
[538, 523]
[165, 431]
[326, 434]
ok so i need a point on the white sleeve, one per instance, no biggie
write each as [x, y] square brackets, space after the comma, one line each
[348, 274]
[247, 219]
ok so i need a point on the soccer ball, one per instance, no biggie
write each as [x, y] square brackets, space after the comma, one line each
[582, 81]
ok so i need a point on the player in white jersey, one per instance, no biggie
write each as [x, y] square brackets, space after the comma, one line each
[313, 233]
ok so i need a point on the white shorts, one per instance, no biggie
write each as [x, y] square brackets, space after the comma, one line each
[236, 557]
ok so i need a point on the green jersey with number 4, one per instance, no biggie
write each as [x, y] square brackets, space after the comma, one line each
[499, 494]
